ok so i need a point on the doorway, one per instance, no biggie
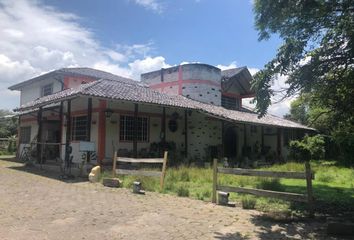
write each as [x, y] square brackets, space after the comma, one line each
[230, 143]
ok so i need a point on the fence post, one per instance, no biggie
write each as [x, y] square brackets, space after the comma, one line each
[114, 164]
[163, 173]
[215, 180]
[309, 188]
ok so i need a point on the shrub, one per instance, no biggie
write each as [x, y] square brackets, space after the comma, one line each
[184, 175]
[272, 184]
[205, 194]
[182, 191]
[307, 148]
[248, 202]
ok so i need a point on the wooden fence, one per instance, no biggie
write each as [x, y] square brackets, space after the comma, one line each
[308, 175]
[145, 173]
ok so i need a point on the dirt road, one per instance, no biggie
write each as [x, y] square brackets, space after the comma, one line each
[36, 205]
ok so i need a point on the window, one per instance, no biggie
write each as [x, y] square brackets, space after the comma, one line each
[127, 128]
[230, 103]
[25, 134]
[47, 90]
[79, 126]
[172, 125]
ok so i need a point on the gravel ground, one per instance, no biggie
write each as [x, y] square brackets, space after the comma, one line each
[35, 204]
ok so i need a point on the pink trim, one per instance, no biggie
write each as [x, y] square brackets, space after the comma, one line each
[180, 83]
[69, 81]
[180, 79]
[232, 95]
[101, 131]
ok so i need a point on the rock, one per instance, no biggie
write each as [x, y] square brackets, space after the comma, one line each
[95, 173]
[112, 182]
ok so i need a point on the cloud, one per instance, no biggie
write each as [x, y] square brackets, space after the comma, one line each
[279, 106]
[148, 64]
[36, 38]
[153, 5]
[225, 67]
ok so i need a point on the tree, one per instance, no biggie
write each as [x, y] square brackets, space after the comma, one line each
[317, 55]
[8, 125]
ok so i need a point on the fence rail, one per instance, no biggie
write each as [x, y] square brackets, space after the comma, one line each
[308, 175]
[161, 174]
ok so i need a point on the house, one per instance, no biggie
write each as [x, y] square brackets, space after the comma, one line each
[194, 110]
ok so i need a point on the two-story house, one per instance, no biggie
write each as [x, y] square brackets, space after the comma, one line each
[194, 110]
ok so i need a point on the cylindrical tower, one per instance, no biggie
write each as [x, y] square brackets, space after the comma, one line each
[200, 82]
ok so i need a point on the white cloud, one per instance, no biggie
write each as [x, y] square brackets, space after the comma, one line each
[279, 106]
[225, 67]
[153, 5]
[148, 64]
[35, 39]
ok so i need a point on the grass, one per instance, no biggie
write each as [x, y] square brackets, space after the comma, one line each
[333, 186]
[6, 156]
[248, 202]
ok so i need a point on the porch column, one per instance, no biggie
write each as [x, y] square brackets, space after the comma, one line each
[186, 133]
[222, 139]
[262, 138]
[279, 133]
[101, 131]
[89, 119]
[18, 137]
[135, 137]
[39, 135]
[244, 135]
[163, 128]
[68, 132]
[61, 128]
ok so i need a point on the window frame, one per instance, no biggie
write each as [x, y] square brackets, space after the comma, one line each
[28, 138]
[231, 103]
[50, 85]
[74, 135]
[145, 130]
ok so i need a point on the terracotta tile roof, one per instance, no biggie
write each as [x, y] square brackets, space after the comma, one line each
[111, 89]
[82, 71]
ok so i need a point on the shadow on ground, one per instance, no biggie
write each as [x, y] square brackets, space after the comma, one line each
[231, 236]
[268, 229]
[53, 174]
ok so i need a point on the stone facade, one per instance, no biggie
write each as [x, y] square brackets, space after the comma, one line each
[199, 82]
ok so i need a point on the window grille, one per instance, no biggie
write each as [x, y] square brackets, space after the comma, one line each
[47, 90]
[25, 134]
[79, 132]
[230, 103]
[127, 128]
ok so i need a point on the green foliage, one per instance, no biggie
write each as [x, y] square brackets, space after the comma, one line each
[272, 184]
[248, 202]
[8, 126]
[333, 185]
[317, 55]
[182, 191]
[308, 148]
[343, 135]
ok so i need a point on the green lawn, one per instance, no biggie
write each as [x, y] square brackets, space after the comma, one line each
[6, 156]
[333, 185]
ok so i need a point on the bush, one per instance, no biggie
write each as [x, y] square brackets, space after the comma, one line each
[272, 184]
[307, 148]
[248, 202]
[182, 191]
[184, 175]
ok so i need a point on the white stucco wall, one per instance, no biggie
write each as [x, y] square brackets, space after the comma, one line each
[34, 90]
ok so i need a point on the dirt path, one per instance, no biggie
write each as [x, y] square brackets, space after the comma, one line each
[35, 206]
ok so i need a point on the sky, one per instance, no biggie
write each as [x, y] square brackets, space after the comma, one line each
[127, 38]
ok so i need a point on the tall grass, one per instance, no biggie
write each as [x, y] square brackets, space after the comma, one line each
[333, 184]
